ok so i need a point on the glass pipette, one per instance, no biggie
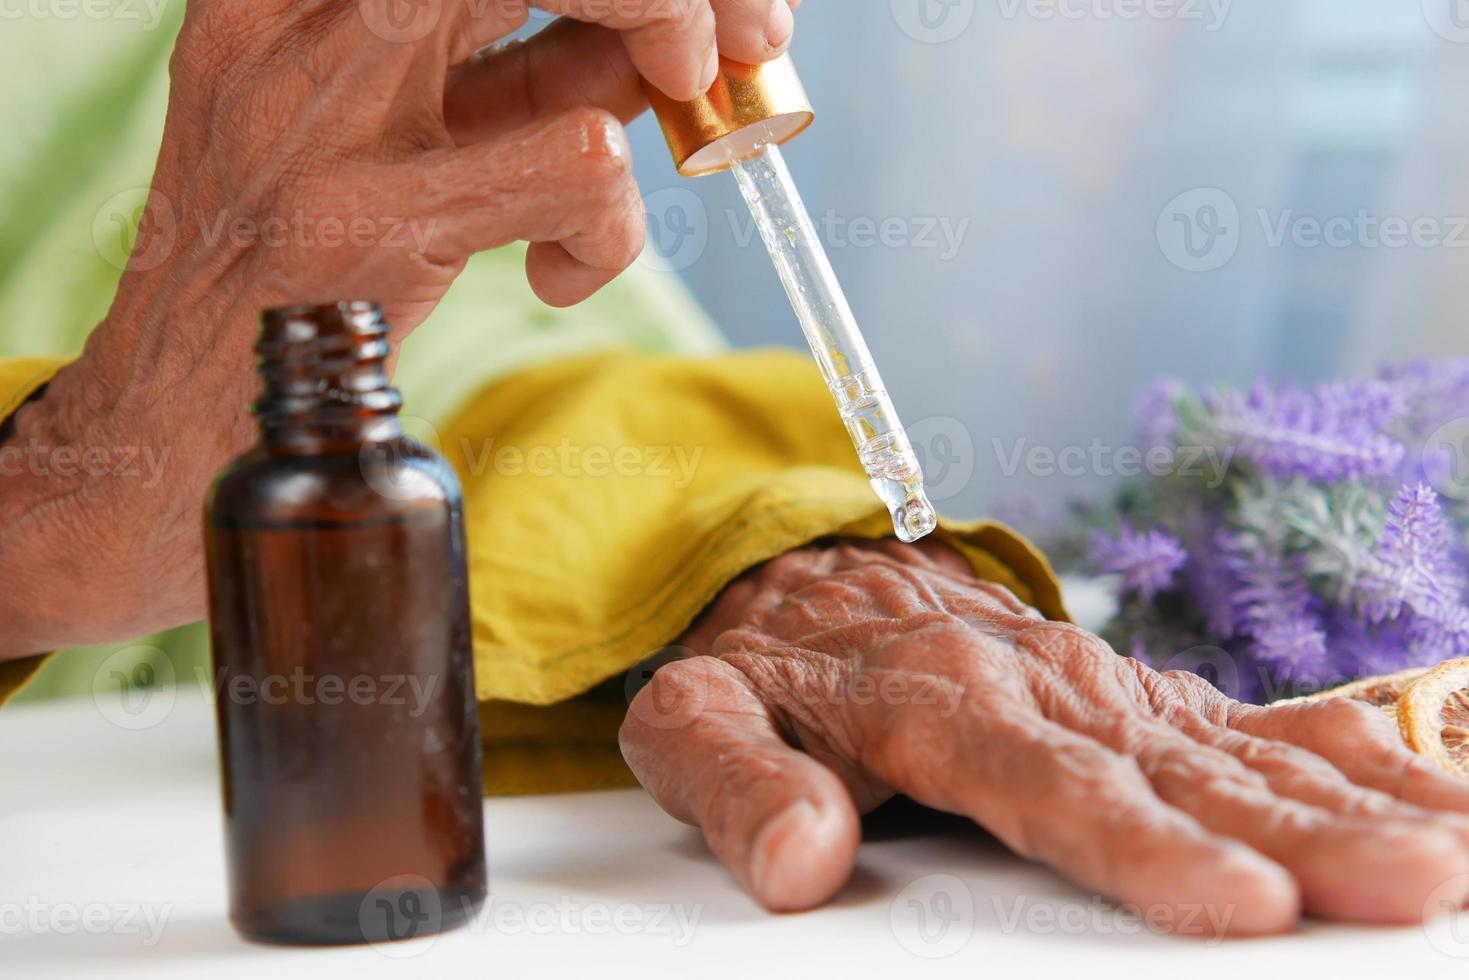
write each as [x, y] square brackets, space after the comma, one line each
[837, 343]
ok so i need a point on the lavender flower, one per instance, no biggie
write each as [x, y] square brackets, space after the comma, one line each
[1278, 612]
[1434, 392]
[1213, 584]
[1324, 555]
[1147, 562]
[1155, 413]
[1414, 565]
[1330, 434]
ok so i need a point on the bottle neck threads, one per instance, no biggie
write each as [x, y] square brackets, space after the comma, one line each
[325, 380]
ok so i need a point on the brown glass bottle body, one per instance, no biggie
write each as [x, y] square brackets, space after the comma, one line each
[344, 684]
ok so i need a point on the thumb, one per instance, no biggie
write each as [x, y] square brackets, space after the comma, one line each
[782, 823]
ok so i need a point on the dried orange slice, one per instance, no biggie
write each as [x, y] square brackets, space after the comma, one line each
[1433, 714]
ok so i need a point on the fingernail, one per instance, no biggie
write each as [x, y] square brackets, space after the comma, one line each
[771, 840]
[711, 70]
[781, 26]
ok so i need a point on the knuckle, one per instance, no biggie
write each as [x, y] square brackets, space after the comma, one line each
[600, 148]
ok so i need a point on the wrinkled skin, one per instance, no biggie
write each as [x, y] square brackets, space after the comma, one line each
[832, 678]
[318, 150]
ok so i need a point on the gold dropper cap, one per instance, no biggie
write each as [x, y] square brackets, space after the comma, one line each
[747, 108]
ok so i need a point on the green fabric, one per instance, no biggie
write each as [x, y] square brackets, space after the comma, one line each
[82, 113]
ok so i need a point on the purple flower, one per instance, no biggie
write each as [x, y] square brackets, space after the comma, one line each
[1213, 584]
[1278, 612]
[1155, 413]
[1147, 562]
[1330, 434]
[1435, 392]
[1414, 566]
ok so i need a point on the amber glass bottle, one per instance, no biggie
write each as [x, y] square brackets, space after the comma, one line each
[344, 683]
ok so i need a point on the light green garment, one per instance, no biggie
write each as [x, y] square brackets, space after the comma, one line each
[82, 114]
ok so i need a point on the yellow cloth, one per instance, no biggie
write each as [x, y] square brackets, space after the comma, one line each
[608, 500]
[19, 379]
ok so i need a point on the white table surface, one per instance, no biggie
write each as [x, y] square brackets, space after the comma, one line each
[108, 833]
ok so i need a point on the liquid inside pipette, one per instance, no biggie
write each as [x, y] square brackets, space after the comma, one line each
[836, 341]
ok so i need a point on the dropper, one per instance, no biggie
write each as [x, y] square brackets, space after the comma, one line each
[739, 125]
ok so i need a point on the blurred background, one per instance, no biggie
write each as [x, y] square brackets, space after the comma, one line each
[1039, 206]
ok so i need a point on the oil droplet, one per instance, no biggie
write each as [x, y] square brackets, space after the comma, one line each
[915, 519]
